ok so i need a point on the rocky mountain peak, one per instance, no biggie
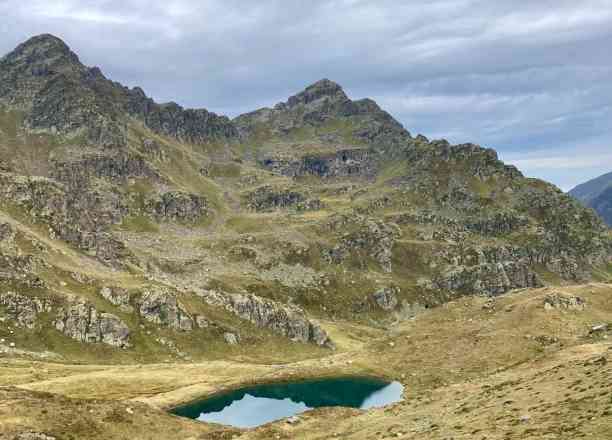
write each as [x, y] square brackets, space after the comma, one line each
[46, 80]
[321, 89]
[43, 55]
[331, 116]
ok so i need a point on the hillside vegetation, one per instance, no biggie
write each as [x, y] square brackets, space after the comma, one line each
[144, 246]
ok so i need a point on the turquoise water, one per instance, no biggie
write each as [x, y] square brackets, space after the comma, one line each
[257, 405]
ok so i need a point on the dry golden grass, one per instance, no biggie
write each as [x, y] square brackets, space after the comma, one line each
[468, 371]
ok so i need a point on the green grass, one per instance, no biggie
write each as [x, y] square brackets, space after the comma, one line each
[231, 170]
[139, 223]
[250, 223]
[547, 276]
[391, 171]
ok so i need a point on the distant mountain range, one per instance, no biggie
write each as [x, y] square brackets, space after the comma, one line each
[597, 194]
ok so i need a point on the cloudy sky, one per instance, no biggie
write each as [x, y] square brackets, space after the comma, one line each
[532, 79]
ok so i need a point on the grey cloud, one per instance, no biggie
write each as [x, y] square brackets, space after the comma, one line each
[522, 77]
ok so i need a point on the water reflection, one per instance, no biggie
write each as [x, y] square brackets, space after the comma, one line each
[254, 406]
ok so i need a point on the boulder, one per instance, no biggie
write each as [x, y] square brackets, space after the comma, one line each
[599, 329]
[7, 234]
[563, 301]
[202, 321]
[231, 338]
[386, 298]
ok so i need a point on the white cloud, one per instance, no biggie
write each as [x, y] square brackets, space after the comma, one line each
[568, 162]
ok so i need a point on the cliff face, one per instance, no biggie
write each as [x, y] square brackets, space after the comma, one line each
[245, 230]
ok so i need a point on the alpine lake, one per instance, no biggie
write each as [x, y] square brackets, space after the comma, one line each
[253, 406]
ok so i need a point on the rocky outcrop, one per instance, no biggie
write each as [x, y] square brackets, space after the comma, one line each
[8, 246]
[489, 224]
[195, 126]
[287, 320]
[202, 321]
[117, 296]
[428, 158]
[24, 309]
[68, 106]
[562, 301]
[371, 236]
[83, 322]
[162, 308]
[7, 234]
[79, 217]
[115, 166]
[343, 163]
[15, 265]
[485, 279]
[20, 269]
[177, 206]
[266, 198]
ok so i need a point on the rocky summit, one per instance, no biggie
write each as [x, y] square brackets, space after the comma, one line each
[301, 239]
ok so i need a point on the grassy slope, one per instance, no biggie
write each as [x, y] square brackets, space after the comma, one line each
[467, 371]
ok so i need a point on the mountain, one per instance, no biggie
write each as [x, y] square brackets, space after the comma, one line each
[597, 194]
[277, 204]
[138, 232]
[60, 95]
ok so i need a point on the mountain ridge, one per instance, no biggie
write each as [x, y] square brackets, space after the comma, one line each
[52, 70]
[262, 223]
